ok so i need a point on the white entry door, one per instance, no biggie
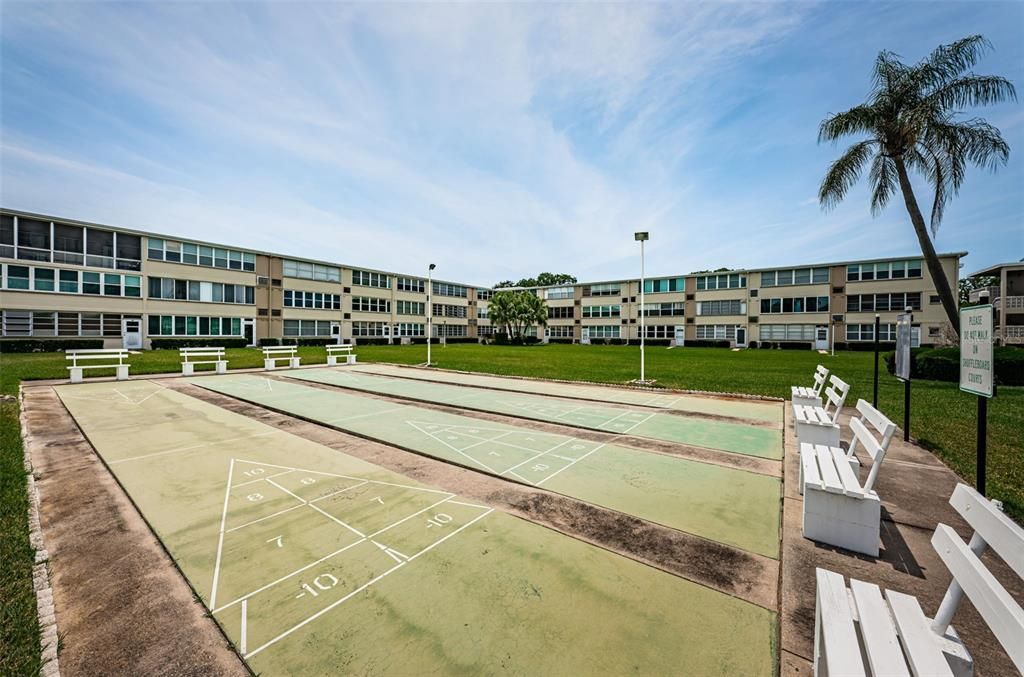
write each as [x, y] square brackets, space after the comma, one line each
[821, 337]
[131, 334]
[680, 335]
[741, 337]
[585, 336]
[249, 331]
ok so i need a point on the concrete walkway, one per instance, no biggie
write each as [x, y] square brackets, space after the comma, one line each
[914, 487]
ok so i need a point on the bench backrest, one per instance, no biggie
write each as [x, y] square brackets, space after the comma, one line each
[211, 351]
[340, 348]
[836, 392]
[863, 437]
[96, 354]
[279, 351]
[820, 376]
[992, 527]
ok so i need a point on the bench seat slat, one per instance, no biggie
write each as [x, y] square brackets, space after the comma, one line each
[828, 470]
[837, 631]
[876, 627]
[809, 459]
[851, 485]
[1001, 613]
[920, 645]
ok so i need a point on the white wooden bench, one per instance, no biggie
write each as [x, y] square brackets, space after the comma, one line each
[837, 508]
[334, 351]
[817, 425]
[811, 396]
[860, 631]
[208, 355]
[271, 354]
[108, 355]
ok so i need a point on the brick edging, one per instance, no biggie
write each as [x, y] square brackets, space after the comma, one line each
[40, 570]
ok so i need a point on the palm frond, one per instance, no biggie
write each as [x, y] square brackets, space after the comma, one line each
[950, 61]
[844, 173]
[884, 182]
[972, 90]
[857, 120]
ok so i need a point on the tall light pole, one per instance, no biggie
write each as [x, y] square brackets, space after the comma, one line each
[642, 237]
[430, 308]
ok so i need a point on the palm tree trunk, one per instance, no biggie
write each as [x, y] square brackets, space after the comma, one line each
[931, 259]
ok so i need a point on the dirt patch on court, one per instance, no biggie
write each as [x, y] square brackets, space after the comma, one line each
[736, 572]
[121, 605]
[762, 466]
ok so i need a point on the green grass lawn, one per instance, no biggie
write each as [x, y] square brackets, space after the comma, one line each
[943, 419]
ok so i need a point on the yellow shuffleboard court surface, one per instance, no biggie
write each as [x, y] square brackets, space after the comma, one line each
[315, 562]
[697, 404]
[724, 504]
[738, 438]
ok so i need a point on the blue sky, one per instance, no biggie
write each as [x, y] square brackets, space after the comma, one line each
[494, 140]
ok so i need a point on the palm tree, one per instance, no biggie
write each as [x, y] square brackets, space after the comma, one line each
[912, 122]
[515, 311]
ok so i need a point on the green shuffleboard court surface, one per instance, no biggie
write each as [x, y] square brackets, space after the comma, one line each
[315, 562]
[698, 404]
[723, 504]
[709, 433]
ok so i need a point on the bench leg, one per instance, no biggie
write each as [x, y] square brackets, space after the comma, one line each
[842, 521]
[332, 360]
[807, 433]
[294, 362]
[268, 364]
[350, 359]
[222, 366]
[122, 372]
[188, 369]
[76, 374]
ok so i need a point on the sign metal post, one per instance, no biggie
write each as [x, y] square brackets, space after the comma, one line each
[904, 329]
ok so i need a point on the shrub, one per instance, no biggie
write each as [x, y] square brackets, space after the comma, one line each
[175, 343]
[943, 364]
[709, 343]
[37, 345]
[269, 342]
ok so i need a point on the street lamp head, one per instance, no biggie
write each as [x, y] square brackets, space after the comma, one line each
[641, 236]
[432, 266]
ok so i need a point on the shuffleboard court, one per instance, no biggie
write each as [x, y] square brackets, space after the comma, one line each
[756, 410]
[316, 562]
[739, 438]
[723, 504]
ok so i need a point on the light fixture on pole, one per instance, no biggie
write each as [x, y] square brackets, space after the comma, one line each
[430, 308]
[642, 237]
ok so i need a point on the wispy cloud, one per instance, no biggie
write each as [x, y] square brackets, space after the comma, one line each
[493, 139]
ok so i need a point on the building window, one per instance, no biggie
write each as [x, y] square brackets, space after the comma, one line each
[716, 331]
[410, 308]
[451, 330]
[307, 328]
[445, 289]
[410, 329]
[363, 278]
[17, 277]
[561, 331]
[50, 323]
[558, 293]
[368, 329]
[609, 289]
[603, 331]
[196, 290]
[562, 312]
[664, 309]
[659, 331]
[192, 325]
[602, 311]
[883, 302]
[934, 299]
[886, 333]
[410, 284]
[68, 281]
[664, 285]
[887, 270]
[794, 276]
[158, 249]
[798, 304]
[787, 332]
[448, 310]
[724, 307]
[370, 304]
[310, 271]
[309, 299]
[484, 294]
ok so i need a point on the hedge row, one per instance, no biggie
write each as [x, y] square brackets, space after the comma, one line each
[214, 341]
[47, 345]
[943, 364]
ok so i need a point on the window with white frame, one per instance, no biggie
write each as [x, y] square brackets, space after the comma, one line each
[450, 330]
[786, 332]
[294, 298]
[484, 294]
[798, 304]
[560, 331]
[30, 323]
[561, 312]
[607, 289]
[591, 312]
[410, 308]
[412, 284]
[193, 325]
[659, 331]
[664, 309]
[721, 281]
[556, 293]
[794, 276]
[444, 310]
[723, 307]
[885, 270]
[410, 329]
[365, 278]
[173, 251]
[603, 331]
[64, 281]
[483, 312]
[886, 333]
[716, 331]
[446, 289]
[307, 270]
[370, 304]
[197, 290]
[897, 301]
[369, 329]
[664, 285]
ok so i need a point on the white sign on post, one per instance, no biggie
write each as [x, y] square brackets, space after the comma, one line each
[903, 336]
[976, 365]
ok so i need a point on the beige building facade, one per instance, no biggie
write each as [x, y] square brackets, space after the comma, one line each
[1006, 294]
[61, 278]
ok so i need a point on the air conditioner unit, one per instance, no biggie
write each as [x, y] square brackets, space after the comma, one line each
[837, 318]
[262, 281]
